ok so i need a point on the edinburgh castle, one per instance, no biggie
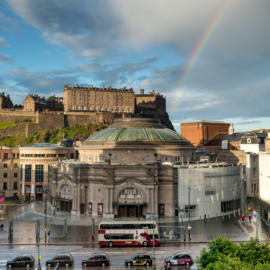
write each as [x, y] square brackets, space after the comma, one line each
[80, 105]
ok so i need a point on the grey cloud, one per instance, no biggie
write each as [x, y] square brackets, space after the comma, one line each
[5, 59]
[37, 82]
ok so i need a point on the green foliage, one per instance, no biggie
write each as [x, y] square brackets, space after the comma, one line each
[4, 125]
[226, 255]
[53, 135]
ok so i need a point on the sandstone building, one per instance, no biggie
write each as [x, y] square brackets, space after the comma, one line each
[35, 160]
[9, 172]
[124, 170]
[98, 99]
[33, 103]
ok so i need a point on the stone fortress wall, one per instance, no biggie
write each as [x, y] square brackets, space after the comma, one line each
[79, 105]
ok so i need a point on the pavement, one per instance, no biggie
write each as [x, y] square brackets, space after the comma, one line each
[79, 228]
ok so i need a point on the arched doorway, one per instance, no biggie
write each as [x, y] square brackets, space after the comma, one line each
[65, 200]
[130, 203]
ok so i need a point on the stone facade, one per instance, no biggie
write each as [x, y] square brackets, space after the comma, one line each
[10, 172]
[112, 190]
[34, 163]
[98, 99]
[125, 170]
[33, 103]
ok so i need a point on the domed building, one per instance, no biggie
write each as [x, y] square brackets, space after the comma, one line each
[124, 170]
[135, 141]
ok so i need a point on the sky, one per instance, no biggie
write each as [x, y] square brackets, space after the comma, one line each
[210, 58]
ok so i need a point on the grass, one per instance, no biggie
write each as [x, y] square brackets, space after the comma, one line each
[4, 125]
[53, 135]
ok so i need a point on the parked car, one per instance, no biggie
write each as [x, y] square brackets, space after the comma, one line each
[96, 259]
[21, 261]
[61, 260]
[179, 258]
[140, 260]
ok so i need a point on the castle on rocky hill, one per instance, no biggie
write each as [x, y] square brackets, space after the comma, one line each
[82, 105]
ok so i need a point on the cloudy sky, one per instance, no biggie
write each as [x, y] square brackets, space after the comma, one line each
[210, 58]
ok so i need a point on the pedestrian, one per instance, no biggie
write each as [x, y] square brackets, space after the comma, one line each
[249, 218]
[49, 236]
[243, 218]
[2, 226]
[205, 219]
[56, 267]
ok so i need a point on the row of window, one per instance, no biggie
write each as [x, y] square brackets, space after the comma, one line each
[127, 226]
[44, 155]
[39, 173]
[5, 175]
[5, 186]
[15, 165]
[7, 156]
[231, 205]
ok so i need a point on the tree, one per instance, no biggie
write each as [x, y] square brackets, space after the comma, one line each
[223, 254]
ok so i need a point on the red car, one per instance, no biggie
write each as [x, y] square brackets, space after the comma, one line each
[179, 258]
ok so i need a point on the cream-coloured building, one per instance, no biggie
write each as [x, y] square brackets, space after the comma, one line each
[34, 163]
[125, 170]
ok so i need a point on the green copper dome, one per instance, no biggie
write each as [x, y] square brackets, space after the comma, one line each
[141, 130]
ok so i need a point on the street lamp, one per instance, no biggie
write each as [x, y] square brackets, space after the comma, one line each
[153, 216]
[189, 227]
[46, 191]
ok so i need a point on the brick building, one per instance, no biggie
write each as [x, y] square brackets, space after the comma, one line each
[98, 99]
[200, 132]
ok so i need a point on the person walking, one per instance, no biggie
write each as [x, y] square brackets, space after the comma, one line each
[243, 218]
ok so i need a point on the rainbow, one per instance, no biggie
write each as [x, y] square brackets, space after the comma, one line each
[210, 29]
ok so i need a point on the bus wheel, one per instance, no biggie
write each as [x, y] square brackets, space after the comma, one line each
[145, 244]
[110, 244]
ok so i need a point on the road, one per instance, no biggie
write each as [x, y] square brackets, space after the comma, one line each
[117, 255]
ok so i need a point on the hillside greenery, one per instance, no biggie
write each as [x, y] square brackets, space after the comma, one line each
[53, 135]
[4, 125]
[223, 254]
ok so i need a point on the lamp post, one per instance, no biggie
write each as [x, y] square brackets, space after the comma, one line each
[46, 191]
[189, 227]
[153, 216]
[38, 242]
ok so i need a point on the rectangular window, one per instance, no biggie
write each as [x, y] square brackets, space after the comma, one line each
[28, 172]
[190, 210]
[21, 173]
[5, 186]
[15, 175]
[15, 185]
[15, 165]
[5, 155]
[5, 165]
[209, 192]
[90, 208]
[5, 175]
[39, 173]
